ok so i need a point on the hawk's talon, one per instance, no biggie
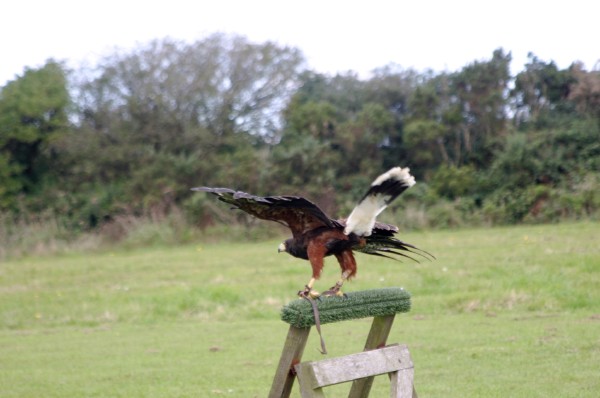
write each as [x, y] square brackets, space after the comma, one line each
[335, 290]
[309, 293]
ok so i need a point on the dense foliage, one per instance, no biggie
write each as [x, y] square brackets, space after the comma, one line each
[129, 137]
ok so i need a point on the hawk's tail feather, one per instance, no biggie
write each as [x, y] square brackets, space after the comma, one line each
[385, 246]
[377, 253]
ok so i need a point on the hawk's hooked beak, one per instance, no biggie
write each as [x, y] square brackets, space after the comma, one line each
[281, 247]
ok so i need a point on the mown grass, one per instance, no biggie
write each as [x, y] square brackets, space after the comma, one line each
[502, 312]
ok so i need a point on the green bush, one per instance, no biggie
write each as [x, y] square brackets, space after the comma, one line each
[453, 182]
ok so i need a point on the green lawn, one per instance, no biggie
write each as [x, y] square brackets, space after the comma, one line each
[503, 312]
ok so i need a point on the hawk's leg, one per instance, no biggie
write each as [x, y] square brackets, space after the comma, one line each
[348, 266]
[308, 290]
[316, 252]
[336, 290]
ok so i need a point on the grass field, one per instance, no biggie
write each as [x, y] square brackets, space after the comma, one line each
[503, 312]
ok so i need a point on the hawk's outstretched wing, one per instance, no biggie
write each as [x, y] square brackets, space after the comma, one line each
[297, 213]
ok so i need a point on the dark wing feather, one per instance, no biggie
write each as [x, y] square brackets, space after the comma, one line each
[297, 213]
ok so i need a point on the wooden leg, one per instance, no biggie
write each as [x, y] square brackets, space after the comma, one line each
[305, 382]
[291, 355]
[402, 384]
[380, 330]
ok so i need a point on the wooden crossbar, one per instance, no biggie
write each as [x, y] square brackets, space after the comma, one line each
[312, 376]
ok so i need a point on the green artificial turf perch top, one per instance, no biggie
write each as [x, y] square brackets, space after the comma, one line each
[361, 304]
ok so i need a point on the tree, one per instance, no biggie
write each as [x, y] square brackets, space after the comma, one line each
[426, 132]
[481, 91]
[392, 88]
[333, 140]
[33, 112]
[307, 157]
[363, 141]
[309, 154]
[539, 90]
[585, 91]
[169, 115]
[426, 143]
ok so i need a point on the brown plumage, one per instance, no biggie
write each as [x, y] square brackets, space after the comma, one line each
[316, 236]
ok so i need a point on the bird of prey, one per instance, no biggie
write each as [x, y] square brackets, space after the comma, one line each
[316, 236]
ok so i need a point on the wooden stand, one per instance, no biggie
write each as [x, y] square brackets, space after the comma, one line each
[360, 368]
